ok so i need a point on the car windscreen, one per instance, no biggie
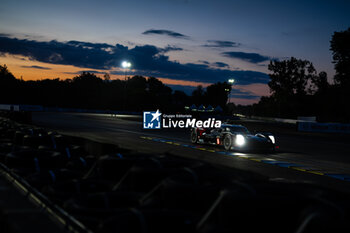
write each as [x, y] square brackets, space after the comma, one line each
[237, 129]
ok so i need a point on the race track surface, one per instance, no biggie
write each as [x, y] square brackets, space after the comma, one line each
[319, 159]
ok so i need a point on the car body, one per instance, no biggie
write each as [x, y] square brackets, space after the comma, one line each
[234, 137]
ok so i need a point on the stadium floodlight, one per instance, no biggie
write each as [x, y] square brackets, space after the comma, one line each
[126, 64]
[231, 81]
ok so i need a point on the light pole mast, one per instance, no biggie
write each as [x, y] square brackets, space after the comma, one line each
[230, 81]
[126, 65]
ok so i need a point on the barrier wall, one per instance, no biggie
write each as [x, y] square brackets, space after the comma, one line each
[323, 127]
[9, 107]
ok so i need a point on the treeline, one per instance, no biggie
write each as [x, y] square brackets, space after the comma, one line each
[88, 91]
[298, 90]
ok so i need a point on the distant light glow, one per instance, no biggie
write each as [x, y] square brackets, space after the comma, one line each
[231, 81]
[126, 64]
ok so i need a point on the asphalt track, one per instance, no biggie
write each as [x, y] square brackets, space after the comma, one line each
[312, 158]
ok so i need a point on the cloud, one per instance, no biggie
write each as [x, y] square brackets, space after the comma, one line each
[147, 60]
[5, 34]
[170, 48]
[162, 67]
[89, 45]
[86, 71]
[204, 62]
[249, 57]
[221, 64]
[80, 54]
[37, 67]
[221, 44]
[215, 64]
[165, 32]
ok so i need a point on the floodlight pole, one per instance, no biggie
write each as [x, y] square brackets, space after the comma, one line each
[230, 81]
[125, 65]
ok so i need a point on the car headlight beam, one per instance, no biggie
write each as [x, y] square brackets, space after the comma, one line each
[272, 138]
[240, 140]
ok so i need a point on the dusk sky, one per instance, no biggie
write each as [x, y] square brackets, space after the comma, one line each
[185, 43]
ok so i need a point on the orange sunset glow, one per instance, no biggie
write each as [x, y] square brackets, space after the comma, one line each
[28, 69]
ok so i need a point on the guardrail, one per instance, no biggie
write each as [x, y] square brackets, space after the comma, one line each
[290, 121]
[323, 127]
[9, 107]
[21, 107]
[307, 124]
[282, 120]
[60, 216]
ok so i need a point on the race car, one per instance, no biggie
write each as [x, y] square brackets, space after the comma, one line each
[234, 137]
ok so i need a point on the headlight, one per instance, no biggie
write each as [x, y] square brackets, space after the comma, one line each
[240, 140]
[272, 138]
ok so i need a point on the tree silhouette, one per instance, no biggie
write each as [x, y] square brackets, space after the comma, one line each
[217, 94]
[6, 75]
[198, 95]
[319, 83]
[290, 77]
[9, 85]
[340, 45]
[297, 89]
[181, 99]
[88, 91]
[290, 84]
[107, 77]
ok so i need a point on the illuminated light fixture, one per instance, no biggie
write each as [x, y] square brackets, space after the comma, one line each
[240, 141]
[272, 138]
[126, 64]
[231, 80]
